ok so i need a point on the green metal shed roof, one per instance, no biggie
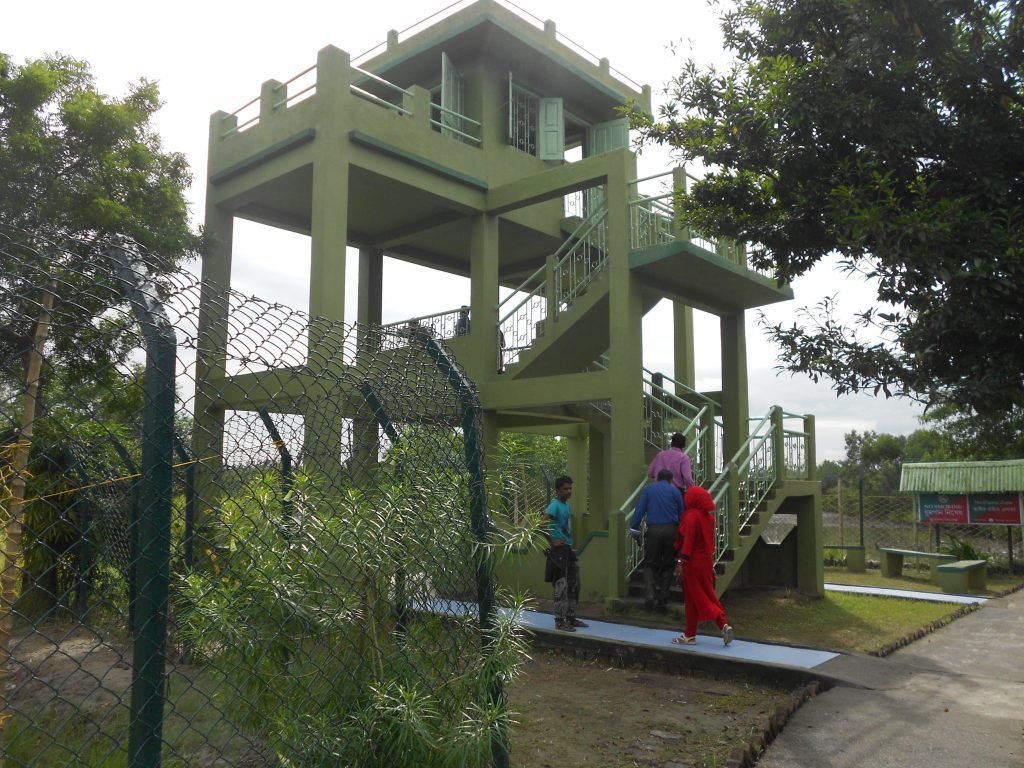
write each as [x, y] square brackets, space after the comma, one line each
[963, 477]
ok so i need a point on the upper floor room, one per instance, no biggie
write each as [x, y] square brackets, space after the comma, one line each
[486, 78]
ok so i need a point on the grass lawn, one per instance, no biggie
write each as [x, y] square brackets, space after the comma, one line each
[914, 579]
[838, 621]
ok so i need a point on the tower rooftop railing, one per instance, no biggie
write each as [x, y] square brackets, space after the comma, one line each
[519, 11]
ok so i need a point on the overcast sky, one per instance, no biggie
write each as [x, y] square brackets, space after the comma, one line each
[213, 55]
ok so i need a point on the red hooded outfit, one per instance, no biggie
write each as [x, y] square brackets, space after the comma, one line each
[695, 546]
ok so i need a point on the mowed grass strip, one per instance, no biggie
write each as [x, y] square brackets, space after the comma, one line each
[838, 621]
[914, 579]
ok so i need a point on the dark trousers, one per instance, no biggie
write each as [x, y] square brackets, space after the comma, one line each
[564, 570]
[659, 563]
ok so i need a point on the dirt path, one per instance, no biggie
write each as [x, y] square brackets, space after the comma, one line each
[575, 713]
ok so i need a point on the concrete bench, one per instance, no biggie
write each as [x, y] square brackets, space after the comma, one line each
[892, 560]
[963, 576]
[856, 560]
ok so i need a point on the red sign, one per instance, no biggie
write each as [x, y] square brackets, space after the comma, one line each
[995, 509]
[942, 508]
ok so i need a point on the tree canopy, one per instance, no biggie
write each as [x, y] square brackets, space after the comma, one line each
[81, 165]
[891, 134]
[80, 172]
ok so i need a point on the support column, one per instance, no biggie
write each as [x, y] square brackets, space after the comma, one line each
[682, 346]
[211, 353]
[366, 429]
[482, 361]
[480, 358]
[578, 453]
[324, 426]
[735, 403]
[810, 568]
[329, 228]
[626, 353]
[597, 453]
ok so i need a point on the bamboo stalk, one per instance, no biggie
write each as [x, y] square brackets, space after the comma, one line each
[16, 500]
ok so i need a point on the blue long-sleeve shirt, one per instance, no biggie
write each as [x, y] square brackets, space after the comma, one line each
[661, 503]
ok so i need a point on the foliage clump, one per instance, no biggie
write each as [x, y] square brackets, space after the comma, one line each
[343, 627]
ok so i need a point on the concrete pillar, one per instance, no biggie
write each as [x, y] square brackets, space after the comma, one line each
[417, 103]
[682, 346]
[597, 461]
[810, 574]
[365, 428]
[211, 354]
[577, 469]
[272, 96]
[735, 403]
[371, 286]
[482, 360]
[324, 426]
[626, 352]
[330, 187]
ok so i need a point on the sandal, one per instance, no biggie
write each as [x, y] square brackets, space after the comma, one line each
[684, 640]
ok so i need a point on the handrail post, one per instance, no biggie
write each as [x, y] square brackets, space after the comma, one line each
[709, 454]
[551, 290]
[657, 414]
[417, 102]
[778, 444]
[681, 231]
[271, 92]
[733, 495]
[810, 449]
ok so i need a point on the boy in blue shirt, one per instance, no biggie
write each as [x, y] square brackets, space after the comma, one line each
[562, 565]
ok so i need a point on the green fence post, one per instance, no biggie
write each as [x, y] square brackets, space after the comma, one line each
[145, 729]
[474, 451]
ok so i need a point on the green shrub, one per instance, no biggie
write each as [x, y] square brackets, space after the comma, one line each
[962, 549]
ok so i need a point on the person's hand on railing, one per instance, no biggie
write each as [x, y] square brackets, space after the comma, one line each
[633, 533]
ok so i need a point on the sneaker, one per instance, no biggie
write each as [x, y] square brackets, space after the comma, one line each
[563, 626]
[727, 634]
[577, 623]
[684, 640]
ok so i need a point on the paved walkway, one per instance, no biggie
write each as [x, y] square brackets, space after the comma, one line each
[954, 699]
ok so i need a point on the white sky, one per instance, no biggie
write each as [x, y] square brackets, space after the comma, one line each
[213, 55]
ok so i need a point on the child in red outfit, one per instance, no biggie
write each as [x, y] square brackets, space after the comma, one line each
[695, 548]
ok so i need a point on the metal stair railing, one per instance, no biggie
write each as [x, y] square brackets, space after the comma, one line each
[523, 314]
[581, 258]
[752, 472]
[686, 414]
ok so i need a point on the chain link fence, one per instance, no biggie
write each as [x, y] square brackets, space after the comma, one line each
[235, 535]
[891, 521]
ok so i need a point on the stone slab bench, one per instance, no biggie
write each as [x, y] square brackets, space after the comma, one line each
[856, 559]
[963, 576]
[891, 560]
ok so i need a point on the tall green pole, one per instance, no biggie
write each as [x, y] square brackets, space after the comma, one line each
[152, 569]
[474, 451]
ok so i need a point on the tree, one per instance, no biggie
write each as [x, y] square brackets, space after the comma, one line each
[81, 172]
[891, 134]
[973, 437]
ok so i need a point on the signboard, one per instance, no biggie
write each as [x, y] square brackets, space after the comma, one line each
[969, 509]
[995, 508]
[942, 508]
